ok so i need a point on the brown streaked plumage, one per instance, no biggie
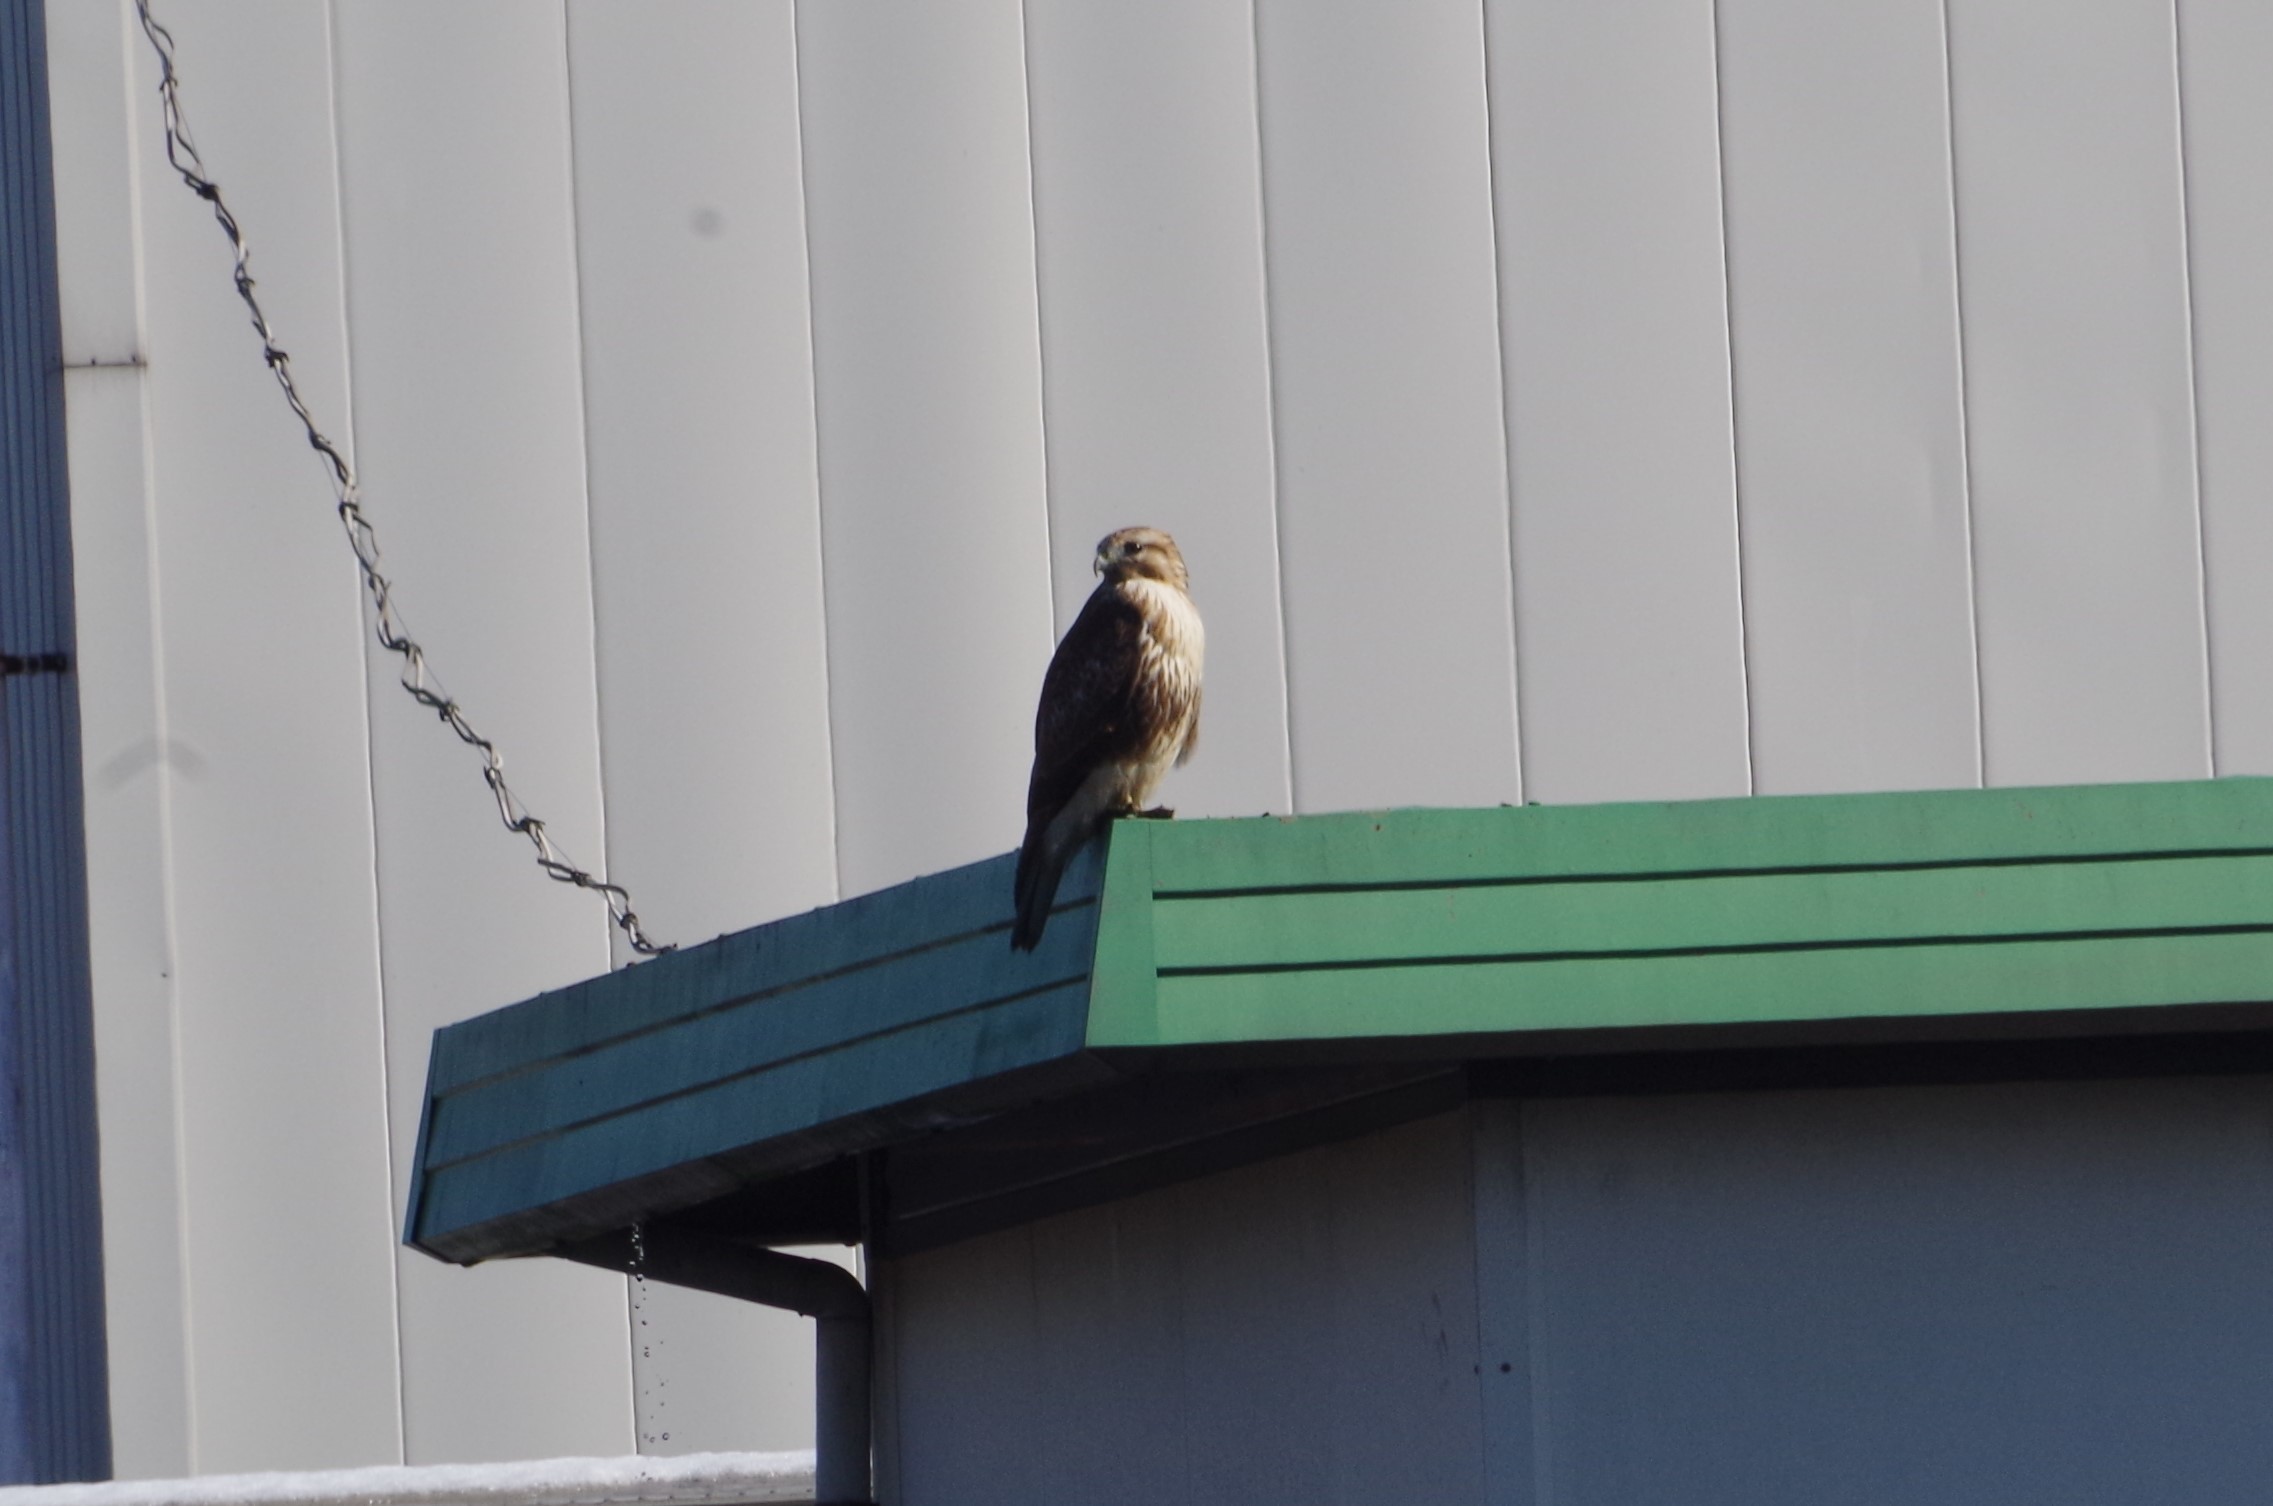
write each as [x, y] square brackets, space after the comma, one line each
[1121, 702]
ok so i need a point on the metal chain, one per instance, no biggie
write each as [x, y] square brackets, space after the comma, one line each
[424, 688]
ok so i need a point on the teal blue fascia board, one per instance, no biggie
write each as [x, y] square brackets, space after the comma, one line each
[759, 1052]
[1448, 935]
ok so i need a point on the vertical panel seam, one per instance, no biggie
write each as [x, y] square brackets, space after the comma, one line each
[614, 938]
[26, 1440]
[882, 1280]
[634, 1293]
[1271, 398]
[1535, 1305]
[131, 64]
[29, 606]
[2193, 386]
[161, 722]
[1471, 1134]
[1507, 401]
[584, 448]
[1728, 365]
[395, 1190]
[820, 459]
[813, 413]
[1041, 345]
[1964, 406]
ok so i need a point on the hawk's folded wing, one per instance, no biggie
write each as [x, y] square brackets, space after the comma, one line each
[1091, 712]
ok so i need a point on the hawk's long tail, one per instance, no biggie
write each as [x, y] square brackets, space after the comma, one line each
[1041, 863]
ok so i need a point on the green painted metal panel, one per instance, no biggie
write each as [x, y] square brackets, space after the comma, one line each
[1723, 912]
[1509, 999]
[1445, 935]
[1440, 847]
[1508, 922]
[1124, 992]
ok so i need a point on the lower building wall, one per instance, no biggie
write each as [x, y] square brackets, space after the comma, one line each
[2027, 1293]
[1301, 1331]
[2011, 1293]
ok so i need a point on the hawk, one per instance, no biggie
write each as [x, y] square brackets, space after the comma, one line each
[1121, 702]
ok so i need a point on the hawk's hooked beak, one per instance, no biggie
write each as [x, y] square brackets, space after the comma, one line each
[1097, 563]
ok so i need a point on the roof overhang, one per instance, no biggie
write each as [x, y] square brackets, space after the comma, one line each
[1213, 991]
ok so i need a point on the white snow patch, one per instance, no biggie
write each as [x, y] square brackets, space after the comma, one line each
[720, 1479]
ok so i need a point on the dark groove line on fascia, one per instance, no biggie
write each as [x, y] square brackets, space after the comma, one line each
[551, 1132]
[1684, 875]
[756, 996]
[1730, 949]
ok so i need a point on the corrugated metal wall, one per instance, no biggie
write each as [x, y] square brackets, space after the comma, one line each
[51, 1315]
[1300, 1331]
[1556, 401]
[2011, 1292]
[2026, 1292]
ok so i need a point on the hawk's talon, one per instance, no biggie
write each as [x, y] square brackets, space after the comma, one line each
[1131, 813]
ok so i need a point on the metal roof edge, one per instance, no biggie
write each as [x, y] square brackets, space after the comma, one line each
[1291, 945]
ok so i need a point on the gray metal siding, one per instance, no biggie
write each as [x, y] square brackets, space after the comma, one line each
[1850, 440]
[2012, 1293]
[54, 1418]
[2079, 391]
[2016, 1294]
[491, 433]
[1614, 332]
[691, 253]
[1300, 1332]
[1392, 468]
[2226, 118]
[246, 680]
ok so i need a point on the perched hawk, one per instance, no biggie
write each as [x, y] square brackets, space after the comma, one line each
[1120, 704]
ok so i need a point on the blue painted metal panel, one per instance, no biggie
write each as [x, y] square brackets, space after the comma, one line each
[16, 1461]
[56, 1425]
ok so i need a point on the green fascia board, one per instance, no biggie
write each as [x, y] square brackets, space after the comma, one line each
[1462, 933]
[1528, 921]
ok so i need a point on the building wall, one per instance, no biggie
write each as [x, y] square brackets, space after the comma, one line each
[2041, 1293]
[53, 1413]
[1556, 402]
[2015, 1293]
[1299, 1331]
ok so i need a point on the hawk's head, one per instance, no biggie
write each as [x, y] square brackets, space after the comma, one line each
[1143, 552]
